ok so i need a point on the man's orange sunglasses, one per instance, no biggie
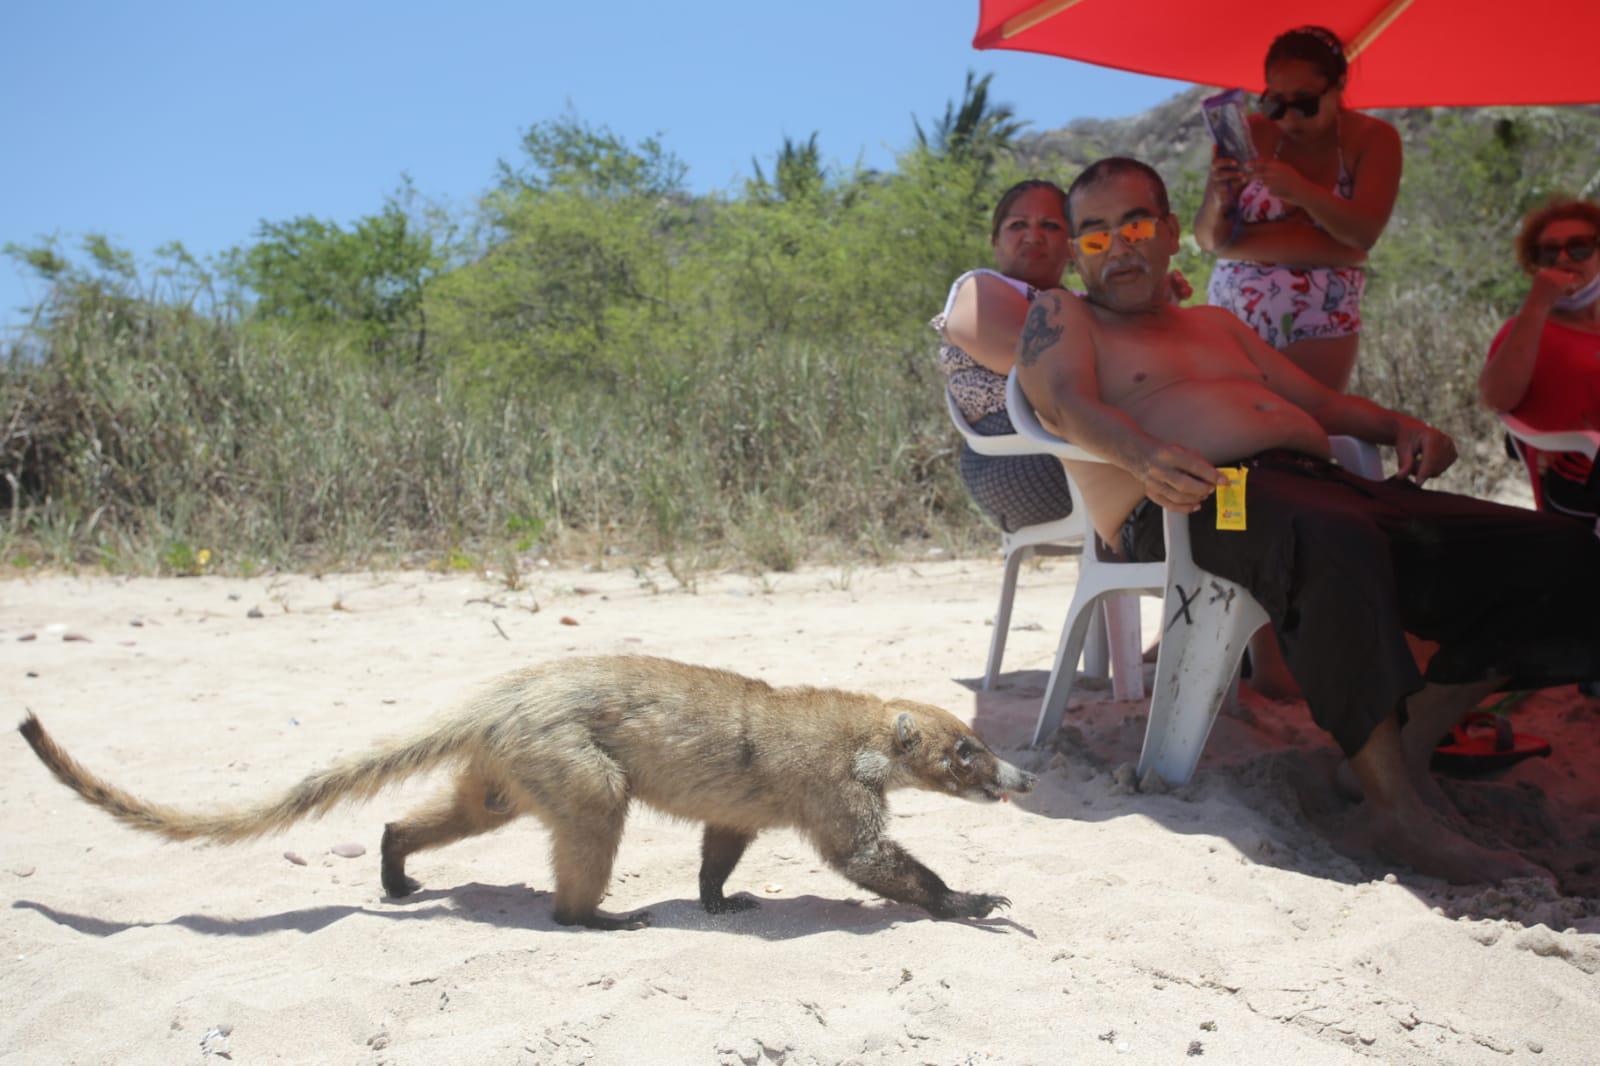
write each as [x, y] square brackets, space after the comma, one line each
[1098, 242]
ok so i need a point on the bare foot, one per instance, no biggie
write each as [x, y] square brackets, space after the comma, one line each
[1427, 786]
[1431, 846]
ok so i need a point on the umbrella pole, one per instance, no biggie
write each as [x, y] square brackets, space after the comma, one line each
[1374, 29]
[1027, 20]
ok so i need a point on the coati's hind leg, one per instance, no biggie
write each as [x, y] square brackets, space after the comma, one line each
[582, 795]
[583, 851]
[460, 812]
[720, 851]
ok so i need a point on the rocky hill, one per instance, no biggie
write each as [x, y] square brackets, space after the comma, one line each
[1172, 136]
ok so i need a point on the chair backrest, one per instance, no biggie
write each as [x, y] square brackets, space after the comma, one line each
[1029, 427]
[1042, 440]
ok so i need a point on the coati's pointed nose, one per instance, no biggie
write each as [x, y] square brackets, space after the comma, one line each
[1015, 780]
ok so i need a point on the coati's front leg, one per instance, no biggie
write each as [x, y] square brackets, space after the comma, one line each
[881, 865]
[720, 851]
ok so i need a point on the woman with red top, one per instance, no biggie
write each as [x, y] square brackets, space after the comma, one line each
[1544, 364]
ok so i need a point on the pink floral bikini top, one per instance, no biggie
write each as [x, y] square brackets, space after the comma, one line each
[1256, 204]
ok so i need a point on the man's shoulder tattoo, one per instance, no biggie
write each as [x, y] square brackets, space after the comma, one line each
[1039, 332]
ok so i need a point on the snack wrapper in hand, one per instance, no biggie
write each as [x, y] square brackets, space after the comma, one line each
[1225, 117]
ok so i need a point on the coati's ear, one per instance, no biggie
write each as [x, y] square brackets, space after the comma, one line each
[905, 732]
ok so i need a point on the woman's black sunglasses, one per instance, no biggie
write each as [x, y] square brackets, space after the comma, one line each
[1275, 107]
[1577, 248]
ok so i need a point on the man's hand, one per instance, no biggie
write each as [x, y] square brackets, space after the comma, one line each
[1423, 451]
[1178, 479]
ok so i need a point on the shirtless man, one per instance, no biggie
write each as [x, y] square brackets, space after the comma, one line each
[1344, 567]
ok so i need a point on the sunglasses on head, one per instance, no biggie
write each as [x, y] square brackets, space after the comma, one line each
[1097, 242]
[1577, 248]
[1275, 106]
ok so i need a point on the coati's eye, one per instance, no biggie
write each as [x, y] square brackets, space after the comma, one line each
[964, 751]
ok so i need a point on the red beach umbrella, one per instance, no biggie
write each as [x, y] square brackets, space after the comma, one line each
[1403, 53]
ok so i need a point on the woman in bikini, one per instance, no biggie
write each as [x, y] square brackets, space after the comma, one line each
[1292, 228]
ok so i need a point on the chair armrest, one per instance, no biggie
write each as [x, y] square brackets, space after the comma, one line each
[1585, 441]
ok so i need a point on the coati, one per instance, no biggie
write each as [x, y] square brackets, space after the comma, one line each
[574, 742]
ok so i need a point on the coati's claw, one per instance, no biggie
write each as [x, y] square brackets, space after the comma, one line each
[730, 904]
[973, 905]
[400, 888]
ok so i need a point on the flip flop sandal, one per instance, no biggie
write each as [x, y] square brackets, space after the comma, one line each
[1484, 742]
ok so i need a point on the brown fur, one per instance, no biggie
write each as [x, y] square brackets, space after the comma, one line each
[574, 742]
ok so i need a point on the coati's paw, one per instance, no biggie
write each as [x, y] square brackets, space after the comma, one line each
[399, 887]
[729, 904]
[596, 920]
[971, 905]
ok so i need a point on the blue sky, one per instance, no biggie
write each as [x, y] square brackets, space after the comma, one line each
[194, 121]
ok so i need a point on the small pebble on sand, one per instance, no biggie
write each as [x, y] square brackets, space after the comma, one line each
[254, 612]
[1390, 879]
[568, 620]
[29, 636]
[76, 638]
[22, 871]
[295, 857]
[349, 851]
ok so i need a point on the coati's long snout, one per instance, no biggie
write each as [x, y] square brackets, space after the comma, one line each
[577, 742]
[942, 754]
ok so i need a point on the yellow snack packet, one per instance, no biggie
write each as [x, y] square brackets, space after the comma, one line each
[1230, 497]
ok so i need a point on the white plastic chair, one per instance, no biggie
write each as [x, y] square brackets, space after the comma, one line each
[1207, 620]
[1584, 441]
[1206, 623]
[1065, 536]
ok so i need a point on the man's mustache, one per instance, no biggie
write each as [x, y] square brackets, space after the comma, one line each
[1133, 262]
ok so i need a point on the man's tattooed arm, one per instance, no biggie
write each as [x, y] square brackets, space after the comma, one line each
[1040, 330]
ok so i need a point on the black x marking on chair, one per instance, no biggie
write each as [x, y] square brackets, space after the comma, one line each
[1185, 599]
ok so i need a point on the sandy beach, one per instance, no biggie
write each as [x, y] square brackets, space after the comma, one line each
[1213, 923]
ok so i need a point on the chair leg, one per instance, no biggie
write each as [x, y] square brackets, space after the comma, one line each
[1096, 647]
[1002, 616]
[1127, 658]
[1198, 665]
[1081, 617]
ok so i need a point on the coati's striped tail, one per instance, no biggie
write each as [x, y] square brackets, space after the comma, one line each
[350, 781]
